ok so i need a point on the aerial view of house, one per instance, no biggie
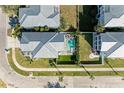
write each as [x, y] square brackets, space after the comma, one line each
[109, 44]
[111, 15]
[59, 41]
[36, 15]
[47, 44]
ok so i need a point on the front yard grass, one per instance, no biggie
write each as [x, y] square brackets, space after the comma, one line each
[13, 66]
[35, 63]
[97, 73]
[112, 62]
[68, 12]
[85, 46]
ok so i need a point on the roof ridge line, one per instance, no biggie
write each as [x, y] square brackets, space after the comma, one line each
[46, 42]
[112, 37]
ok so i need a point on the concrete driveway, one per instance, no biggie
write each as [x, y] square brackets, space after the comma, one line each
[12, 42]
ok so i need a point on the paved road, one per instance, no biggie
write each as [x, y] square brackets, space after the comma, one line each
[14, 80]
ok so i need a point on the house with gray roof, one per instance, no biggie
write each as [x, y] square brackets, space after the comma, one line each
[40, 15]
[111, 15]
[45, 44]
[109, 44]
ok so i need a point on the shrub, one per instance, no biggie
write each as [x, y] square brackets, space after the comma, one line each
[42, 29]
[36, 28]
[17, 31]
[99, 28]
[46, 28]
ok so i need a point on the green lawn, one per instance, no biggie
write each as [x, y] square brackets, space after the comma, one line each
[66, 59]
[13, 66]
[114, 62]
[35, 63]
[109, 73]
[85, 43]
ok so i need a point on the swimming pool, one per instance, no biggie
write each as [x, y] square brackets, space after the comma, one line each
[71, 45]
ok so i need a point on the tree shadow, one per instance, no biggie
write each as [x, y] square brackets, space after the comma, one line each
[91, 75]
[52, 63]
[116, 72]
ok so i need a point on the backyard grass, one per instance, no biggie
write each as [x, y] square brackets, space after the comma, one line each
[13, 66]
[85, 43]
[35, 63]
[2, 84]
[87, 17]
[68, 12]
[66, 59]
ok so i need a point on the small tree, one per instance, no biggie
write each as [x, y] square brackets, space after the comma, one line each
[17, 31]
[99, 28]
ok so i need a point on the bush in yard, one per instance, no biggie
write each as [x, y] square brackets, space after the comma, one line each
[17, 31]
[36, 28]
[41, 29]
[99, 28]
[46, 28]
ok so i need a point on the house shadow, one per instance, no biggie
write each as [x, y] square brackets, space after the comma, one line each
[87, 18]
[89, 38]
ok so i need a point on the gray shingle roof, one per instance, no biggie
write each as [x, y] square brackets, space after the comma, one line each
[34, 41]
[115, 11]
[113, 37]
[42, 15]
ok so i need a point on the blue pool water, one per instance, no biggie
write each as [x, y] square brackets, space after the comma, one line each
[71, 43]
